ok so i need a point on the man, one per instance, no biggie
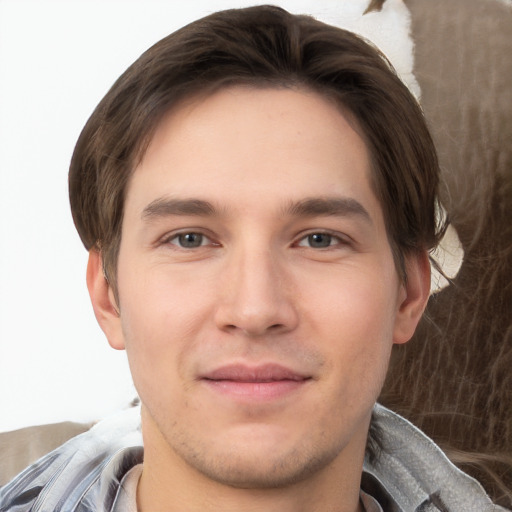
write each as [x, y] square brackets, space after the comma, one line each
[258, 197]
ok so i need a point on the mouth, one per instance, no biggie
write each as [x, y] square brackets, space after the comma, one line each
[265, 382]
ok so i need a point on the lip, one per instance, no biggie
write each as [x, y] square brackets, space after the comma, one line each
[263, 382]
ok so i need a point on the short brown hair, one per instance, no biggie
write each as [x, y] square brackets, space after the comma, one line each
[261, 46]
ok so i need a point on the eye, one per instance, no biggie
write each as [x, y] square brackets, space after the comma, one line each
[320, 240]
[189, 240]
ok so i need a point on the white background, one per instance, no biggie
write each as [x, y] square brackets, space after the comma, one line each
[57, 59]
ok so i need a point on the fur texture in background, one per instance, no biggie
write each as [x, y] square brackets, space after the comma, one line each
[454, 379]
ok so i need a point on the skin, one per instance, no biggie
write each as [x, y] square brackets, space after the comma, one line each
[288, 264]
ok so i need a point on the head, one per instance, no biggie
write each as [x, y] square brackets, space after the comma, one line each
[262, 47]
[260, 191]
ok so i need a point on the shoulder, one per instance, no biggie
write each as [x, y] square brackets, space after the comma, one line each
[82, 474]
[412, 473]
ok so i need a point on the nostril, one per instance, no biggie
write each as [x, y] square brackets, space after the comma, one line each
[275, 326]
[253, 331]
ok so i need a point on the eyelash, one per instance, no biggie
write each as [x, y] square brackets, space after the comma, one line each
[177, 236]
[340, 240]
[337, 238]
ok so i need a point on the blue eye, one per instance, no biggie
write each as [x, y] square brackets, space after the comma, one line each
[189, 240]
[320, 241]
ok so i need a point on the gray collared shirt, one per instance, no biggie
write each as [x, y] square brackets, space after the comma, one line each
[410, 474]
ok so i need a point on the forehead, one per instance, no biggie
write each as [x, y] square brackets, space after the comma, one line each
[240, 145]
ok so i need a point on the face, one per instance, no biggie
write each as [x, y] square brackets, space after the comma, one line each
[258, 295]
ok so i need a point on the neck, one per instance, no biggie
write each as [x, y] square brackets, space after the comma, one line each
[300, 498]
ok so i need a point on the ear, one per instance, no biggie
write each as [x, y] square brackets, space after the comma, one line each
[413, 295]
[103, 301]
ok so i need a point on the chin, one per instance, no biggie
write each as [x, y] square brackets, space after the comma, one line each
[258, 466]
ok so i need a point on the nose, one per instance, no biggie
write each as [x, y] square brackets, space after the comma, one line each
[256, 296]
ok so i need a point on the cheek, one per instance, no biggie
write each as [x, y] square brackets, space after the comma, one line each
[357, 321]
[158, 303]
[360, 303]
[161, 320]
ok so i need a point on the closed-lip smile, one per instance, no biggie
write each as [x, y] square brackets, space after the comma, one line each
[261, 382]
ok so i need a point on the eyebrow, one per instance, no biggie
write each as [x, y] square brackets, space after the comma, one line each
[309, 207]
[164, 207]
[329, 206]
